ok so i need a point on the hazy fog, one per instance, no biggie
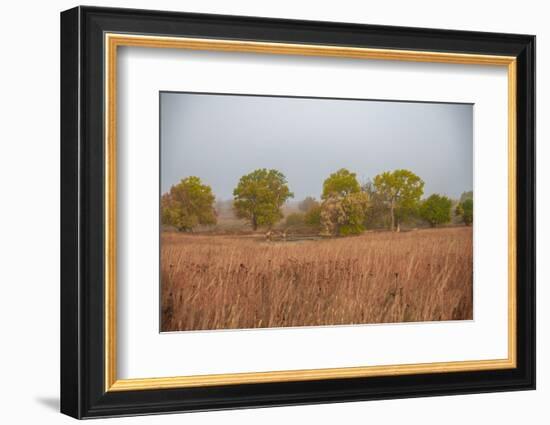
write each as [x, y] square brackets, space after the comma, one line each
[219, 138]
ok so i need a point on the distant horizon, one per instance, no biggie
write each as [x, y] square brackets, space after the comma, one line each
[220, 138]
[318, 198]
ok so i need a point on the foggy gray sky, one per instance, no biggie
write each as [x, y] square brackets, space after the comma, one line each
[219, 138]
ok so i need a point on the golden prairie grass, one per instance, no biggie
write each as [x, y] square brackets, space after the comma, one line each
[235, 282]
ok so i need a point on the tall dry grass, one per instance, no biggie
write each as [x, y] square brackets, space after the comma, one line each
[228, 282]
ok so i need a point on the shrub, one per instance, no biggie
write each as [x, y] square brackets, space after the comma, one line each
[436, 210]
[313, 216]
[295, 219]
[465, 210]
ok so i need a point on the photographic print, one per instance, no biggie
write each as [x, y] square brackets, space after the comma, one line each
[291, 211]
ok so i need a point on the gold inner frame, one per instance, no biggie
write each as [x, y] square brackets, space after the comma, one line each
[113, 41]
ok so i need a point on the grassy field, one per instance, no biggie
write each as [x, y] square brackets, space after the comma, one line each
[243, 281]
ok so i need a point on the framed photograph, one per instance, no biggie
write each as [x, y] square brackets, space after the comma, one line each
[261, 212]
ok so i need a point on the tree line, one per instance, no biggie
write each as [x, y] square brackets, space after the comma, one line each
[346, 207]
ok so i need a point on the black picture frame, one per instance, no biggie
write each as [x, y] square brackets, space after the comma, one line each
[83, 392]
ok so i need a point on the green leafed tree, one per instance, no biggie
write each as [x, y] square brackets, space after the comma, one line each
[465, 210]
[400, 191]
[344, 205]
[341, 183]
[259, 197]
[188, 204]
[355, 206]
[436, 210]
[344, 215]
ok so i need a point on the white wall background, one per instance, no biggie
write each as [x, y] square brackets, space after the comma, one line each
[29, 213]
